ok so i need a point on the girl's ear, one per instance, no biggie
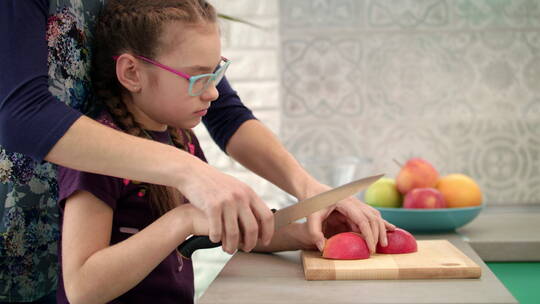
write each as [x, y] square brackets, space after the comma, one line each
[128, 72]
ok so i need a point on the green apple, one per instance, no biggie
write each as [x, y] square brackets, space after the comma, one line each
[383, 193]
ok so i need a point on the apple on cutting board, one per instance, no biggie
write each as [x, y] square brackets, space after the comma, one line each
[351, 245]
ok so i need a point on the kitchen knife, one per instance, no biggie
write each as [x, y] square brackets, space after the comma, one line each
[291, 213]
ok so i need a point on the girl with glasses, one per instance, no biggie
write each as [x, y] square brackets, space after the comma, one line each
[119, 236]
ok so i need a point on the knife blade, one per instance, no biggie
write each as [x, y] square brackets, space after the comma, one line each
[320, 201]
[291, 213]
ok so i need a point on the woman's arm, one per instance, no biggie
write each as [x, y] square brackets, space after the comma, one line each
[31, 118]
[89, 264]
[92, 147]
[258, 149]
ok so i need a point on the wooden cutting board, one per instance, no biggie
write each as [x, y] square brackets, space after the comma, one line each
[435, 259]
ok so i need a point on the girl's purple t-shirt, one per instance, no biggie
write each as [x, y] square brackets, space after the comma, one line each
[172, 280]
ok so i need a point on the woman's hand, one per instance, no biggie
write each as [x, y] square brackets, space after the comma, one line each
[349, 214]
[236, 215]
[335, 223]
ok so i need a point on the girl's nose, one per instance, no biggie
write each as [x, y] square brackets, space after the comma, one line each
[210, 94]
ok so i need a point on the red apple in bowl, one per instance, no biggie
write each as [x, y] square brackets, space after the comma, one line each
[346, 246]
[424, 198]
[399, 241]
[416, 173]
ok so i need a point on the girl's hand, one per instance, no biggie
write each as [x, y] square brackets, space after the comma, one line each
[349, 214]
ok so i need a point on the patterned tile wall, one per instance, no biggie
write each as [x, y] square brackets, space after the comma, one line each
[456, 82]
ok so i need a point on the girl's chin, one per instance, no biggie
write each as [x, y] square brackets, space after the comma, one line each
[189, 124]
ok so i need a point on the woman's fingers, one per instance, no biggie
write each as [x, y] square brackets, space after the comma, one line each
[232, 231]
[366, 231]
[382, 233]
[215, 223]
[374, 223]
[389, 226]
[265, 219]
[249, 228]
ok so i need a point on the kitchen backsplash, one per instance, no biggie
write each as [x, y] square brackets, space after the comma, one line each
[454, 82]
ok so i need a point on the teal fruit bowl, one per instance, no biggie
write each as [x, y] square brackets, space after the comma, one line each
[430, 220]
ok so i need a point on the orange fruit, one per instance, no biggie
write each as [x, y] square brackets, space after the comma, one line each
[459, 190]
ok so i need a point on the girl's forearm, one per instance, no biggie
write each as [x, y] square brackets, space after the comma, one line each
[114, 270]
[93, 147]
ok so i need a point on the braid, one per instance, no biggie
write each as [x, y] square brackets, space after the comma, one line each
[123, 117]
[178, 139]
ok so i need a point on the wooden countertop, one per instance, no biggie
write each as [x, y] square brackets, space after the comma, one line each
[508, 234]
[279, 278]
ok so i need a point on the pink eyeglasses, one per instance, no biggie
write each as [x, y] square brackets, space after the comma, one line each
[197, 84]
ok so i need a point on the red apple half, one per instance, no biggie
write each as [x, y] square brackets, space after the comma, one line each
[346, 246]
[399, 241]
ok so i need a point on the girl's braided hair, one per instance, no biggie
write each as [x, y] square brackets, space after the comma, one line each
[135, 26]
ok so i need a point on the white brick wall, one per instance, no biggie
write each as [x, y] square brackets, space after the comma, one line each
[254, 74]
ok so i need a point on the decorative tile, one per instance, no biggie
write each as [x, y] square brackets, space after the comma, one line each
[482, 14]
[409, 14]
[454, 82]
[407, 74]
[320, 77]
[530, 115]
[531, 74]
[302, 14]
[503, 156]
[316, 139]
[532, 40]
[402, 140]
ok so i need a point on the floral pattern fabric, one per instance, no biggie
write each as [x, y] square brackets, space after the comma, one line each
[29, 215]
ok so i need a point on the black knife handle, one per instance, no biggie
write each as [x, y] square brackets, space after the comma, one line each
[196, 242]
[189, 246]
